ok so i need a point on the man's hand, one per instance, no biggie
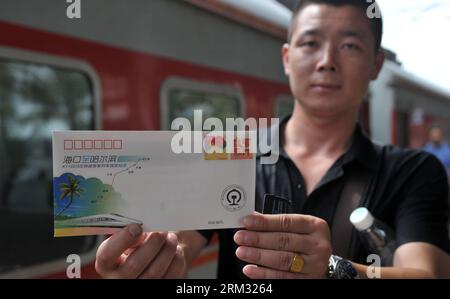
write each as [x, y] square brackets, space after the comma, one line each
[271, 241]
[133, 254]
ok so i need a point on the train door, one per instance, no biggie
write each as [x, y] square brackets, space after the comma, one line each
[402, 135]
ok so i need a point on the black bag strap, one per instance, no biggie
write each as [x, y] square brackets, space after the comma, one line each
[352, 196]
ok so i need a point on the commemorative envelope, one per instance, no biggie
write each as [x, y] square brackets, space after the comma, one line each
[105, 180]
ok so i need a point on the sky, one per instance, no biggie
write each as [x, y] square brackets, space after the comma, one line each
[419, 32]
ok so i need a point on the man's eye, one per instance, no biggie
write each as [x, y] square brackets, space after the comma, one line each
[351, 46]
[310, 44]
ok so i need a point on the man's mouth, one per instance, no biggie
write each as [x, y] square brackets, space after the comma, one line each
[325, 87]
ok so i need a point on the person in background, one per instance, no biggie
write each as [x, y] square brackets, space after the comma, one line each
[439, 147]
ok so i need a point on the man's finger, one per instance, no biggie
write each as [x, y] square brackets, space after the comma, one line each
[177, 268]
[294, 223]
[257, 272]
[279, 260]
[142, 256]
[277, 241]
[111, 249]
[136, 244]
[158, 267]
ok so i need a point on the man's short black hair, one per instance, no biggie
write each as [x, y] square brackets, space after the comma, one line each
[376, 22]
[436, 126]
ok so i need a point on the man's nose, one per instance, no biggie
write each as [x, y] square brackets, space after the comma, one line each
[327, 60]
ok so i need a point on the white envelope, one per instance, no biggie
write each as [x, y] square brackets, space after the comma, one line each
[105, 180]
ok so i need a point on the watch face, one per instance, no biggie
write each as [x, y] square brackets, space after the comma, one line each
[345, 270]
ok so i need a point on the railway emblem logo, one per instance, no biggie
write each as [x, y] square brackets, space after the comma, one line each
[233, 198]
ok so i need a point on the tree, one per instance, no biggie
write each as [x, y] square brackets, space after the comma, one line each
[71, 190]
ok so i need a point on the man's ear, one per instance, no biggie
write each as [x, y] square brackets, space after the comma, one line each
[379, 61]
[285, 57]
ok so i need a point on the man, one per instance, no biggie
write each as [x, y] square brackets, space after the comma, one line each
[438, 147]
[333, 52]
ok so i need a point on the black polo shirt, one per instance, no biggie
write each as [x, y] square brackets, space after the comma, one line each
[408, 191]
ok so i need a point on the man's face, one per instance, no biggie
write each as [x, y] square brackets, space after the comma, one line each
[331, 59]
[436, 135]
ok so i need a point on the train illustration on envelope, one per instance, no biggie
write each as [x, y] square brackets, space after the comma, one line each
[101, 220]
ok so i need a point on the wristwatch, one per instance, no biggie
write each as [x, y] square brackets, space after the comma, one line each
[339, 268]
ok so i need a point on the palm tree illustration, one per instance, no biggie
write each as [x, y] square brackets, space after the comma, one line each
[71, 190]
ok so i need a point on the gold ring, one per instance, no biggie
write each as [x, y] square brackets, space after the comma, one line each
[297, 264]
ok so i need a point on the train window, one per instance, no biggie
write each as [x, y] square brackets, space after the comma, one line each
[34, 100]
[284, 104]
[180, 97]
